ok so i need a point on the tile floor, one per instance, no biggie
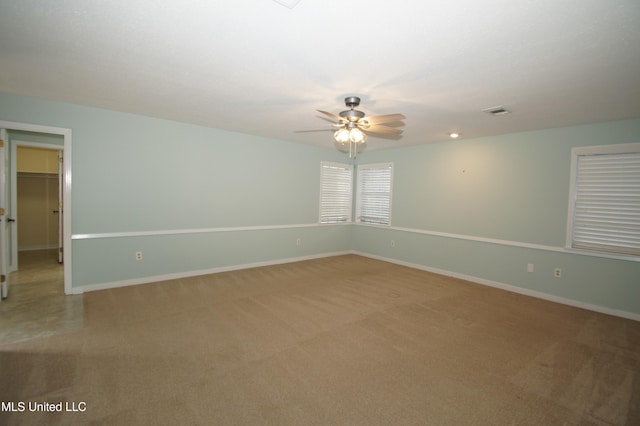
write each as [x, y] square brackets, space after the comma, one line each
[36, 305]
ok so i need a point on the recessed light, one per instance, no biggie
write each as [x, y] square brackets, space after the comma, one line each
[454, 135]
[496, 110]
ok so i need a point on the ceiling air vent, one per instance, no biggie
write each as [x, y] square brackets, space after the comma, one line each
[497, 110]
[288, 3]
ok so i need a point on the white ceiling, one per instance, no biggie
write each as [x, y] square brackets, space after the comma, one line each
[260, 67]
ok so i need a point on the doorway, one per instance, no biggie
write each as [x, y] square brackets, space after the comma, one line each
[44, 137]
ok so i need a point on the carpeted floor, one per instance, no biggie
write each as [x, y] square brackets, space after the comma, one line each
[341, 340]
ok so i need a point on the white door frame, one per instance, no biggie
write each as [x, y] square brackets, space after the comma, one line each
[66, 134]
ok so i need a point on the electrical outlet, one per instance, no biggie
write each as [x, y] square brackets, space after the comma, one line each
[557, 272]
[530, 267]
[138, 255]
[298, 241]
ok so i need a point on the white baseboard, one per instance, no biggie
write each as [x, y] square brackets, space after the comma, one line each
[509, 287]
[187, 274]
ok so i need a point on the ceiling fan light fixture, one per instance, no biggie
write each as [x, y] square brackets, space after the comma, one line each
[354, 135]
[342, 136]
[357, 136]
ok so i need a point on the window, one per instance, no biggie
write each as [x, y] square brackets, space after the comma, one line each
[604, 212]
[374, 193]
[336, 183]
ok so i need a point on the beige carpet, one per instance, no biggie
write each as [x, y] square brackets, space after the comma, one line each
[341, 340]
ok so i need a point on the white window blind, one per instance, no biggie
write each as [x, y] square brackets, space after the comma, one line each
[606, 200]
[374, 193]
[336, 193]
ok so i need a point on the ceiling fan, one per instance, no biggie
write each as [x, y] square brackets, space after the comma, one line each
[353, 125]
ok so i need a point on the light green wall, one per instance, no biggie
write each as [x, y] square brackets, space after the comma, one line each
[137, 174]
[185, 253]
[512, 187]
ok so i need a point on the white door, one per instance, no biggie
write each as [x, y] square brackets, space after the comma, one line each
[60, 206]
[4, 222]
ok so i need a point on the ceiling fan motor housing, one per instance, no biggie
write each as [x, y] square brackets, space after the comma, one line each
[352, 101]
[352, 114]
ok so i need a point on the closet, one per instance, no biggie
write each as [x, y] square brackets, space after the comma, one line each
[37, 198]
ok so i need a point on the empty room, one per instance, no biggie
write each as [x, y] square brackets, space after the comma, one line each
[295, 212]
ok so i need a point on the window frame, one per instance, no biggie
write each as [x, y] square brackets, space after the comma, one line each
[576, 154]
[359, 192]
[348, 207]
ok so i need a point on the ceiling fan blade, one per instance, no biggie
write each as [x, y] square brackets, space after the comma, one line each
[310, 131]
[378, 119]
[329, 114]
[383, 130]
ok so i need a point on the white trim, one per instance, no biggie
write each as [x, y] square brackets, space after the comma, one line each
[67, 137]
[158, 278]
[509, 287]
[42, 145]
[572, 197]
[510, 243]
[200, 231]
[13, 125]
[622, 148]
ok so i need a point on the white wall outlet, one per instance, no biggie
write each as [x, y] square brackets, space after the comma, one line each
[557, 272]
[298, 241]
[530, 267]
[138, 255]
[393, 243]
